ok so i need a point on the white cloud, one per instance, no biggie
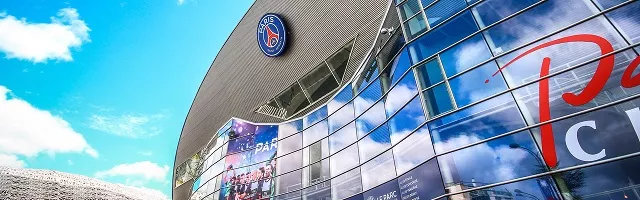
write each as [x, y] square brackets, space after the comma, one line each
[11, 161]
[145, 153]
[29, 131]
[180, 2]
[69, 162]
[146, 170]
[128, 125]
[39, 42]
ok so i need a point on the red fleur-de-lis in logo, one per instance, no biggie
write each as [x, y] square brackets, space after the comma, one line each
[272, 38]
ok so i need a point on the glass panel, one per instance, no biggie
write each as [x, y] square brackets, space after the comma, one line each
[562, 55]
[605, 4]
[315, 133]
[319, 82]
[429, 73]
[574, 81]
[409, 8]
[426, 3]
[319, 191]
[344, 160]
[491, 11]
[442, 37]
[340, 59]
[371, 119]
[289, 128]
[423, 182]
[342, 138]
[626, 20]
[388, 191]
[443, 9]
[415, 26]
[531, 189]
[437, 100]
[342, 114]
[471, 86]
[378, 171]
[602, 134]
[293, 99]
[413, 151]
[401, 94]
[487, 119]
[465, 55]
[407, 120]
[289, 182]
[400, 65]
[289, 162]
[290, 144]
[615, 180]
[536, 22]
[319, 172]
[346, 184]
[368, 97]
[377, 141]
[389, 51]
[491, 162]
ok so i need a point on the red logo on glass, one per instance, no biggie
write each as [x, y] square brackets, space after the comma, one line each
[600, 77]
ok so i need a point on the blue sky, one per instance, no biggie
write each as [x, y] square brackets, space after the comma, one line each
[101, 88]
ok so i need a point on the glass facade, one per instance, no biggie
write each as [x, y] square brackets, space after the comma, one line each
[482, 99]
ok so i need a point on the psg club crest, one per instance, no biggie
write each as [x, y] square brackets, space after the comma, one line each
[272, 35]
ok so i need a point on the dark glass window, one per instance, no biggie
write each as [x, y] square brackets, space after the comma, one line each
[442, 37]
[429, 73]
[471, 86]
[442, 10]
[319, 172]
[319, 82]
[465, 55]
[491, 11]
[437, 100]
[377, 171]
[376, 142]
[626, 20]
[487, 119]
[406, 121]
[338, 61]
[346, 184]
[415, 26]
[401, 94]
[423, 182]
[292, 100]
[413, 150]
[409, 8]
[490, 162]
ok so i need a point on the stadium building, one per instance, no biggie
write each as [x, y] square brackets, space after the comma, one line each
[419, 99]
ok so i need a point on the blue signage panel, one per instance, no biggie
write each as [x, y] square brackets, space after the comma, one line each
[272, 35]
[387, 191]
[423, 182]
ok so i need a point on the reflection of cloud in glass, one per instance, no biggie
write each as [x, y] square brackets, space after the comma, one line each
[399, 96]
[344, 160]
[378, 171]
[470, 54]
[370, 146]
[412, 151]
[342, 138]
[487, 162]
[340, 117]
[372, 118]
[315, 133]
[288, 129]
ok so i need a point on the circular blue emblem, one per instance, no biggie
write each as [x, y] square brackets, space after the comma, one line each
[272, 35]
